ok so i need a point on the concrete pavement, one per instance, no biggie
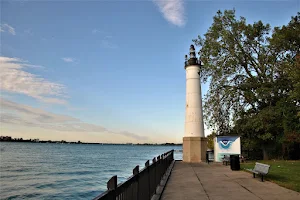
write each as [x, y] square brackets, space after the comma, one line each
[215, 181]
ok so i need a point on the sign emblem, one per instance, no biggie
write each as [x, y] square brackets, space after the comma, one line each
[225, 144]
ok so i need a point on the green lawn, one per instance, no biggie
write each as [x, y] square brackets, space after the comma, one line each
[283, 173]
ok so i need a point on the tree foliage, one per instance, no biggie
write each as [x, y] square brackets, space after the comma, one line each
[210, 140]
[254, 76]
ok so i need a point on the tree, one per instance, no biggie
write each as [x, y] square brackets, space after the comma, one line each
[210, 140]
[254, 78]
[286, 43]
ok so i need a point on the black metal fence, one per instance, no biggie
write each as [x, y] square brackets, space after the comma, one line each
[142, 184]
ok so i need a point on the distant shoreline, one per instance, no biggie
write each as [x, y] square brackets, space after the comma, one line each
[9, 139]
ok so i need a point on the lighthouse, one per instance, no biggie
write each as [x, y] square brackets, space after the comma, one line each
[194, 141]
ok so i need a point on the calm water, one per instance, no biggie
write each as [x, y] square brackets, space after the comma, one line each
[65, 171]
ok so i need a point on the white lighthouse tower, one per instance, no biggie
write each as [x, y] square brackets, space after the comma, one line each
[194, 141]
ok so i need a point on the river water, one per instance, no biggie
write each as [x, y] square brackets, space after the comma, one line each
[68, 171]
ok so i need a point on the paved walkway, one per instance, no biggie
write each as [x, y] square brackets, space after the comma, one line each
[218, 182]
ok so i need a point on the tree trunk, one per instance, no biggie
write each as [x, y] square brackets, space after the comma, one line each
[265, 153]
[283, 151]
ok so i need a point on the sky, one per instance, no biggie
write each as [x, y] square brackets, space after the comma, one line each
[106, 71]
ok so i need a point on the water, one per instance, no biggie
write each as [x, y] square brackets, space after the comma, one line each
[68, 171]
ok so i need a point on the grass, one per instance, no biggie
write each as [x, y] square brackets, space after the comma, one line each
[283, 173]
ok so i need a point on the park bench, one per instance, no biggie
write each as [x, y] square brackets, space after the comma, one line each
[260, 169]
[225, 160]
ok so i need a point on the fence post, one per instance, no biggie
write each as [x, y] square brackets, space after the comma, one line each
[148, 176]
[112, 185]
[135, 172]
[162, 166]
[154, 164]
[158, 166]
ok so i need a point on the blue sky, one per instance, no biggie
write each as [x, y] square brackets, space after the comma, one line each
[106, 71]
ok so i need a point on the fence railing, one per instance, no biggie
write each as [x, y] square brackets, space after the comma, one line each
[142, 184]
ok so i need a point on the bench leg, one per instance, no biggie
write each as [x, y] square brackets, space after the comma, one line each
[262, 178]
[253, 175]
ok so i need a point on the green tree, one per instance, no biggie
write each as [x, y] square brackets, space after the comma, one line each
[254, 78]
[286, 43]
[210, 140]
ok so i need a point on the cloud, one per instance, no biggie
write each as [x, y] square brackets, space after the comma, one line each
[28, 32]
[7, 28]
[98, 31]
[105, 39]
[19, 114]
[106, 43]
[15, 79]
[172, 10]
[68, 59]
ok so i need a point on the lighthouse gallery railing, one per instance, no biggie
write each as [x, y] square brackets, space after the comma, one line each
[142, 184]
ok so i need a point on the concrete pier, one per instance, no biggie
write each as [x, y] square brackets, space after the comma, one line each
[197, 181]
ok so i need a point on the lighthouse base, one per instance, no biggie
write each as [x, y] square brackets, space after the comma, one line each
[194, 149]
